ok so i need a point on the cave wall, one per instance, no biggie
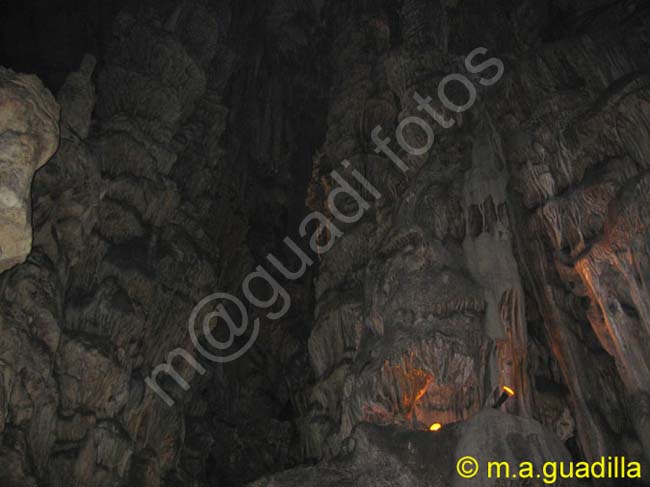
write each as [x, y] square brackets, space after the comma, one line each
[29, 136]
[583, 115]
[179, 155]
[513, 251]
[422, 297]
[510, 252]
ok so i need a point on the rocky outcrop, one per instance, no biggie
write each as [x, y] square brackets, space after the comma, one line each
[388, 456]
[576, 153]
[146, 209]
[118, 261]
[506, 245]
[422, 297]
[29, 136]
[514, 240]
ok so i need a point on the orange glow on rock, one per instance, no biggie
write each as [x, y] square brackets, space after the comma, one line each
[435, 427]
[508, 391]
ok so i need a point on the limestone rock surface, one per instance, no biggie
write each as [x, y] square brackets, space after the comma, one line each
[29, 137]
[386, 456]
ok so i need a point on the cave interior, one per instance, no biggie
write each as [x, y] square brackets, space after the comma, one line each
[306, 243]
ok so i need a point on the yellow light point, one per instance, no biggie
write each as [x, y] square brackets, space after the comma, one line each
[435, 427]
[508, 391]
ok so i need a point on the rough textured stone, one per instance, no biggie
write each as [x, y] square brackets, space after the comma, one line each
[388, 456]
[29, 136]
[513, 252]
[145, 209]
[510, 238]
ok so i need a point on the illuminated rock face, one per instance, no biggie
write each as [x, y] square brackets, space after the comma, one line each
[577, 157]
[423, 344]
[146, 208]
[514, 252]
[29, 136]
[422, 298]
[388, 456]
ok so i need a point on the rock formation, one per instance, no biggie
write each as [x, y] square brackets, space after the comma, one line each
[29, 136]
[145, 209]
[385, 456]
[503, 242]
[515, 232]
